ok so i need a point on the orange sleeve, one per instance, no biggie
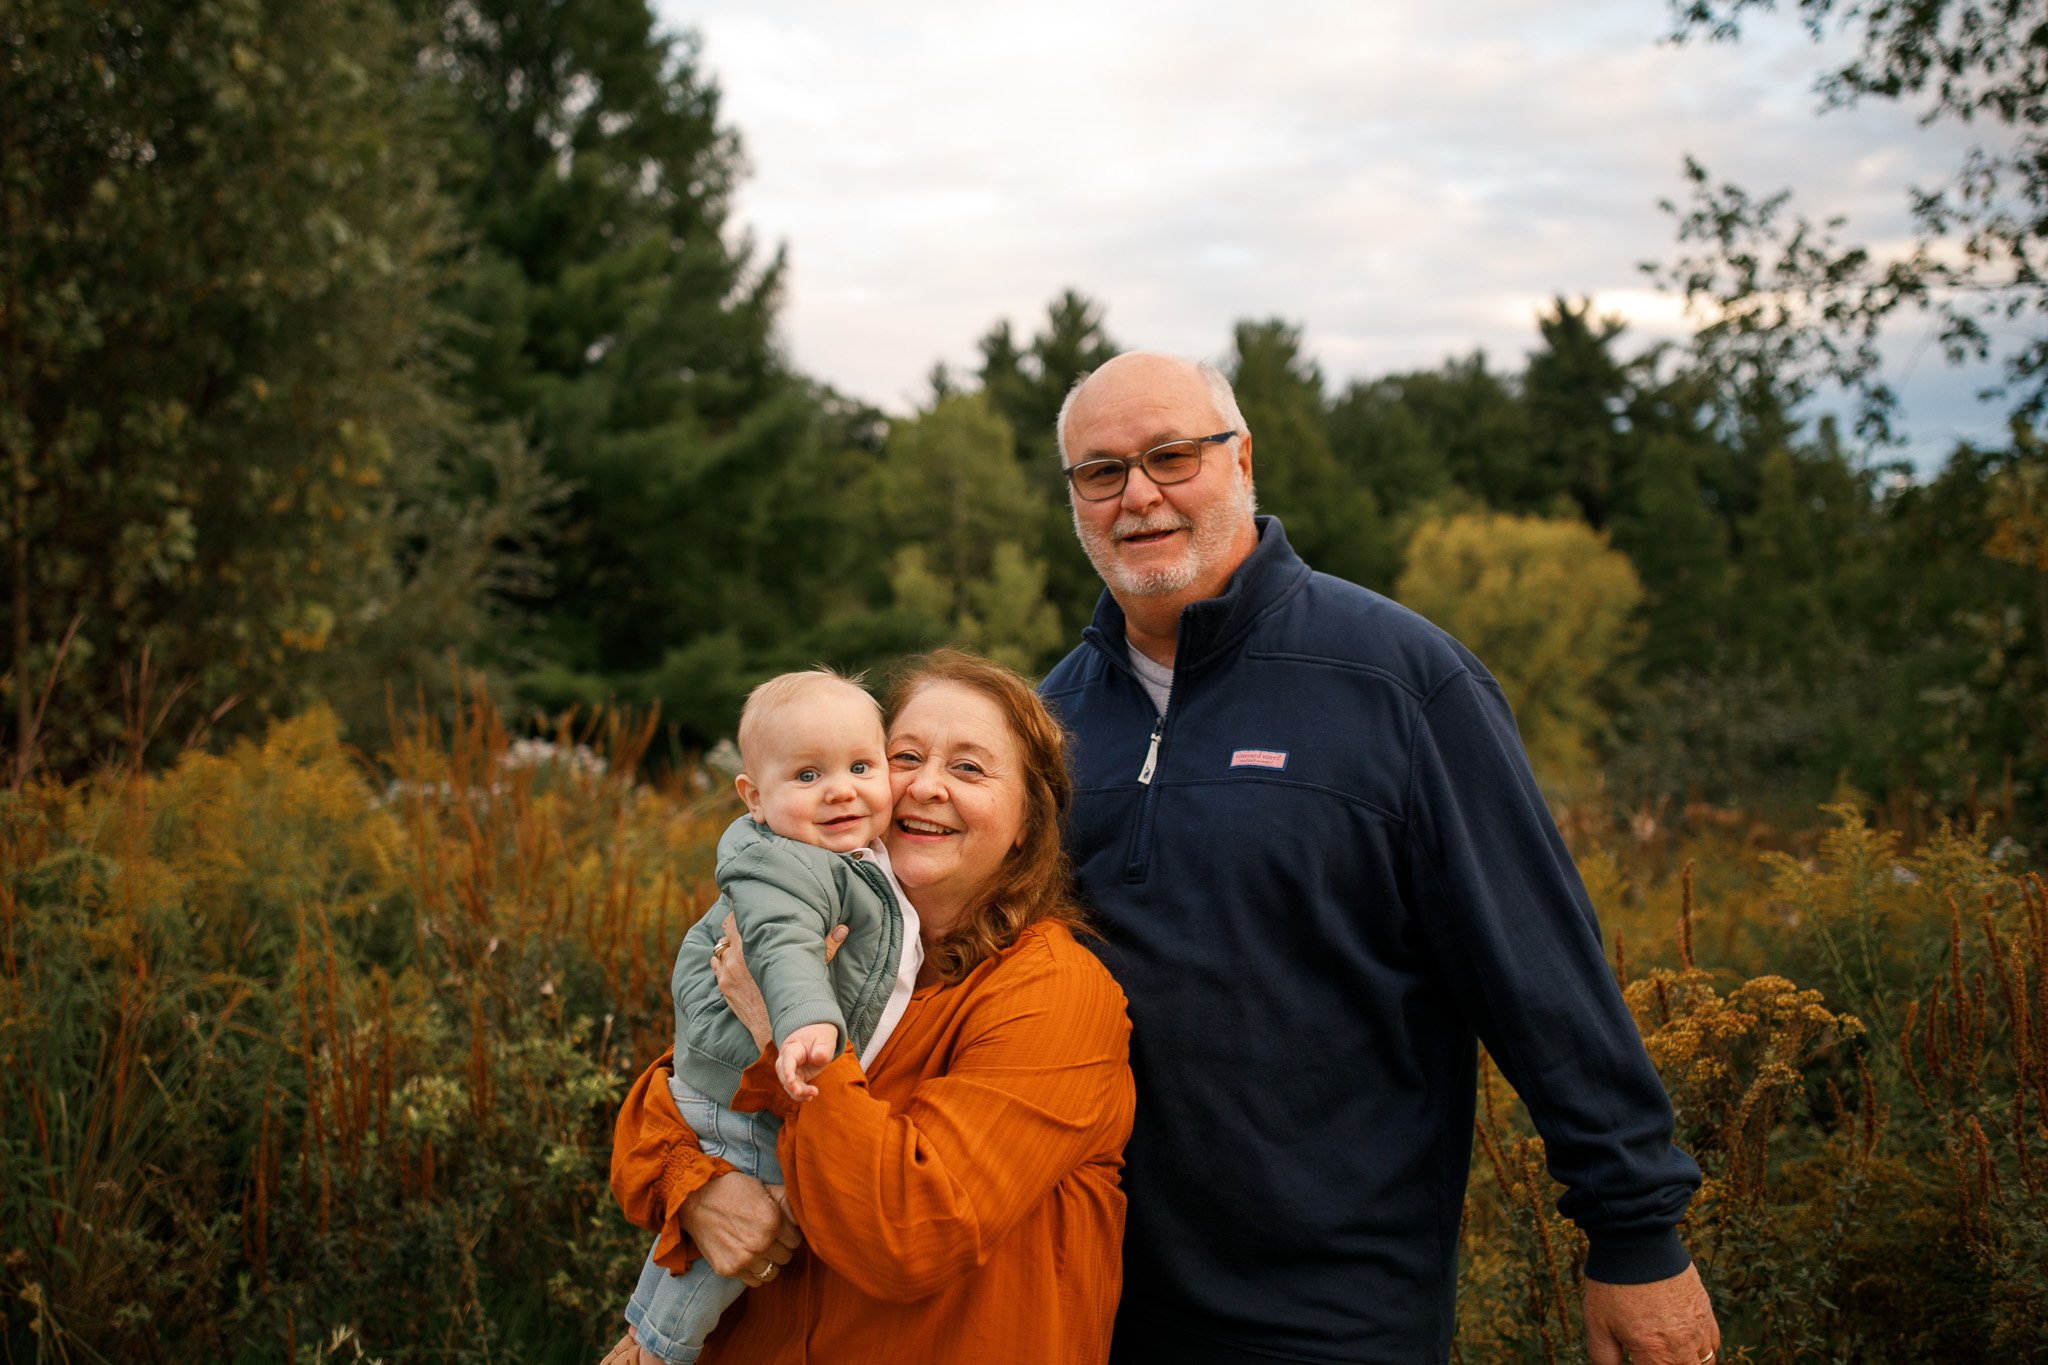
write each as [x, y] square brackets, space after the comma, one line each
[656, 1164]
[904, 1203]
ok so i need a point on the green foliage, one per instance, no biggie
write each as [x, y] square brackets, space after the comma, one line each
[613, 317]
[1473, 426]
[1331, 520]
[1026, 386]
[1681, 548]
[1575, 390]
[1547, 605]
[957, 506]
[220, 230]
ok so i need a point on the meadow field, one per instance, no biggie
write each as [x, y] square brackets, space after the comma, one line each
[345, 344]
[312, 1055]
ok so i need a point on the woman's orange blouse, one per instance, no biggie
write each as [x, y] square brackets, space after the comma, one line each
[959, 1204]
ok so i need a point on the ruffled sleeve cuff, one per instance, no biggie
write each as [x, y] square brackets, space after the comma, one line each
[656, 1165]
[761, 1091]
[686, 1171]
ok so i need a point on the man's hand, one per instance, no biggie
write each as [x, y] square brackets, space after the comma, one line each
[804, 1054]
[1665, 1322]
[740, 1228]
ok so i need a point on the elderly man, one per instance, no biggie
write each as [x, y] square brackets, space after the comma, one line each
[1306, 821]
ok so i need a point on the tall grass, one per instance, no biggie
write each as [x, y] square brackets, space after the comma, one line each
[308, 1055]
[312, 1056]
[1854, 1059]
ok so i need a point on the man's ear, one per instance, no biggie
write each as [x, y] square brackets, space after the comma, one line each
[1244, 458]
[750, 794]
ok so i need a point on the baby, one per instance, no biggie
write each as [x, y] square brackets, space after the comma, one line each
[805, 859]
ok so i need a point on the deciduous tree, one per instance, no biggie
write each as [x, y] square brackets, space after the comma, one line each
[1548, 605]
[1786, 298]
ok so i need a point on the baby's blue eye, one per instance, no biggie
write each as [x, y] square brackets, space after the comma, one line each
[861, 767]
[808, 775]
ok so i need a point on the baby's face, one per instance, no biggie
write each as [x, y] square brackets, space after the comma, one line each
[821, 778]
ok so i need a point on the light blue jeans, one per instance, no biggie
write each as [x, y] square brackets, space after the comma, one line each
[672, 1314]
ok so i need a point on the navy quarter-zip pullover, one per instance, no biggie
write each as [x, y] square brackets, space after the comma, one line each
[1325, 872]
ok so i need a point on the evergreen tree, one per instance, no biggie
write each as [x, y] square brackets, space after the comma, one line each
[1331, 518]
[1576, 391]
[1679, 546]
[1026, 386]
[1381, 442]
[1475, 420]
[620, 322]
[1967, 599]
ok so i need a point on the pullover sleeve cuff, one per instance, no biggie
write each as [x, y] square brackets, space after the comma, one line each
[1635, 1257]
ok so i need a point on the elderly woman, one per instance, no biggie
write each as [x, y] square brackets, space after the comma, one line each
[960, 1201]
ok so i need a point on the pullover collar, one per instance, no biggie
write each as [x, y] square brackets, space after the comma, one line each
[1270, 574]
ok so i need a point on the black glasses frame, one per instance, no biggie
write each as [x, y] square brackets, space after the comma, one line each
[1145, 460]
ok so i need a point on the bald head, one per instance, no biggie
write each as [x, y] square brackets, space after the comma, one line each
[1153, 375]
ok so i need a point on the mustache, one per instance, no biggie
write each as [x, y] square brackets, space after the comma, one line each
[1134, 525]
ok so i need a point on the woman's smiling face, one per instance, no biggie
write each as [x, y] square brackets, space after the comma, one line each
[955, 771]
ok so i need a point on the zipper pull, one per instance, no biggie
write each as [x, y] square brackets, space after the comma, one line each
[1152, 753]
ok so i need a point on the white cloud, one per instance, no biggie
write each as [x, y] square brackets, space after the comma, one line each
[1406, 182]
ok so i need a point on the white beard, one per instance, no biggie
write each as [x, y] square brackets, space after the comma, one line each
[1208, 543]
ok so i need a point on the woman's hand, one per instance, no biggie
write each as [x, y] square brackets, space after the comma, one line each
[736, 983]
[740, 1228]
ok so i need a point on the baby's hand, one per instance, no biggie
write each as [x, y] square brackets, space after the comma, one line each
[804, 1054]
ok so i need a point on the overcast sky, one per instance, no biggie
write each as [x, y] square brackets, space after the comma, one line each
[1405, 181]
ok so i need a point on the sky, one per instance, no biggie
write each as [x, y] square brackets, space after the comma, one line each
[1405, 182]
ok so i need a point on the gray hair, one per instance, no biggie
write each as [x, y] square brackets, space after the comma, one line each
[1213, 378]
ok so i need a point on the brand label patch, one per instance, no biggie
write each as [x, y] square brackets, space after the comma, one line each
[1275, 759]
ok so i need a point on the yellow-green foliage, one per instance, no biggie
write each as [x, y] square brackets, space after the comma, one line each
[296, 1043]
[1550, 607]
[311, 1056]
[1849, 1029]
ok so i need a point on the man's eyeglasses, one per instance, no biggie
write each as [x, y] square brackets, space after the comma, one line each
[1171, 462]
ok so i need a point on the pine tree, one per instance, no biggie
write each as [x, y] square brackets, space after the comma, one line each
[1332, 519]
[1027, 386]
[1576, 391]
[616, 317]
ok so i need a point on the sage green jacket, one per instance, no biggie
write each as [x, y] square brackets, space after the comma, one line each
[787, 897]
